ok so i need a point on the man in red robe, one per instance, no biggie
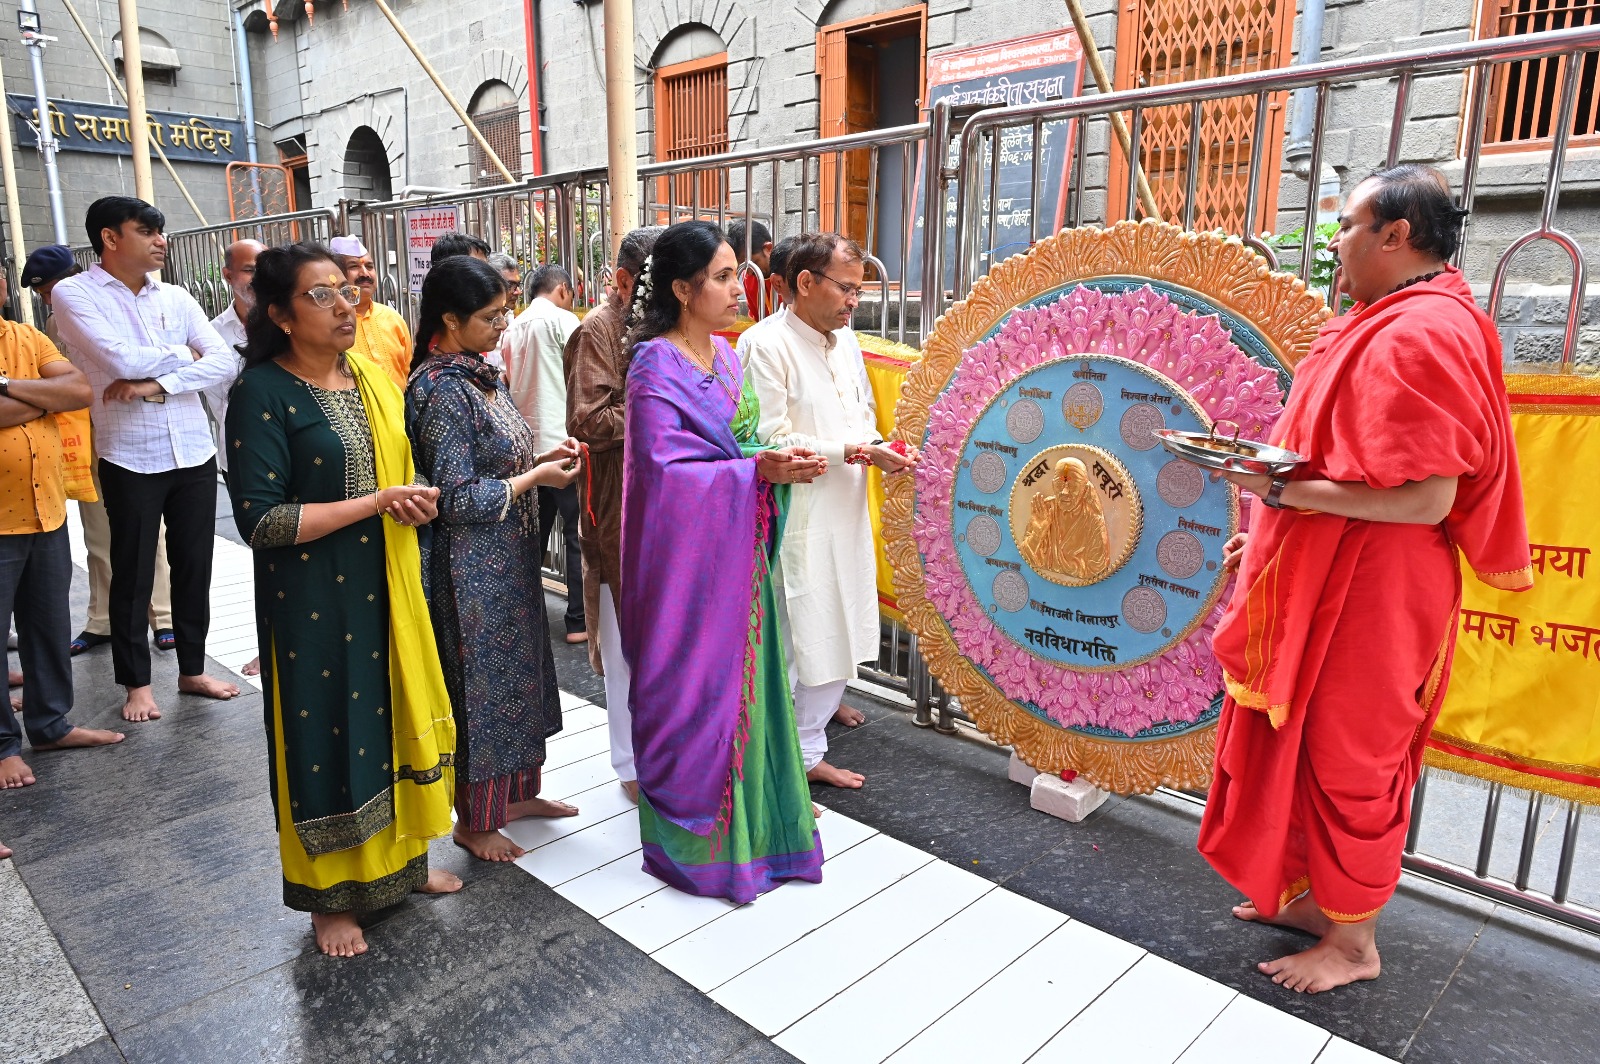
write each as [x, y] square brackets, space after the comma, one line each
[1337, 645]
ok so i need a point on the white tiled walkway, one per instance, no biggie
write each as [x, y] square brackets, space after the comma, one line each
[894, 956]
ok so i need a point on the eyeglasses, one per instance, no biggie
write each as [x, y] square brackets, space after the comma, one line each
[851, 291]
[322, 295]
[500, 320]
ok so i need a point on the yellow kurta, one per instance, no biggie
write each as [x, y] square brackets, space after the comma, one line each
[382, 336]
[814, 393]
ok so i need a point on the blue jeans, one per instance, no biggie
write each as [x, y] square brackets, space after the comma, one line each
[35, 585]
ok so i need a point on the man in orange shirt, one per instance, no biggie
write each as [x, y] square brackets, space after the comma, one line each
[381, 333]
[36, 380]
[1336, 647]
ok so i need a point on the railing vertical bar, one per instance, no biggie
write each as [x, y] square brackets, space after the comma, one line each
[1474, 153]
[838, 193]
[1135, 163]
[1569, 853]
[1308, 247]
[1033, 184]
[990, 235]
[903, 231]
[1530, 840]
[1397, 125]
[1419, 795]
[1191, 178]
[1252, 193]
[1491, 817]
[1079, 150]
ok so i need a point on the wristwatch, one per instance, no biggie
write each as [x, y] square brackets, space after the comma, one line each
[5, 386]
[1274, 498]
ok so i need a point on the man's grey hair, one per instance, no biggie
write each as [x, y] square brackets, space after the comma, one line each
[503, 262]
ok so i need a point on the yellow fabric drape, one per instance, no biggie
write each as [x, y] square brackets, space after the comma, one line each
[1522, 707]
[887, 363]
[424, 728]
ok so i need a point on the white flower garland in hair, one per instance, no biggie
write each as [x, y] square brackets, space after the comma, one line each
[643, 286]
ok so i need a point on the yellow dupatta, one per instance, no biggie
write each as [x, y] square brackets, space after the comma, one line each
[423, 726]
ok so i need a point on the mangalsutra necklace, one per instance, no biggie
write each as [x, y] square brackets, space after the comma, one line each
[712, 369]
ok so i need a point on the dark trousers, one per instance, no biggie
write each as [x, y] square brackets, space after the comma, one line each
[564, 501]
[35, 583]
[136, 504]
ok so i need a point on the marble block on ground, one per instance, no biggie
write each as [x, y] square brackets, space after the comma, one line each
[1071, 802]
[1020, 771]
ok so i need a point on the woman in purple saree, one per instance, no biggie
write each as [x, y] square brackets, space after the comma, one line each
[724, 807]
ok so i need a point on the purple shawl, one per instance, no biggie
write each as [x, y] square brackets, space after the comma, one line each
[692, 509]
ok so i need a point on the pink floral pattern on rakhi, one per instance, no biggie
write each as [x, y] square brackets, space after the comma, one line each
[1144, 326]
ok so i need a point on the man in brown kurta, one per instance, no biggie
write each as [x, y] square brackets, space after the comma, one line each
[596, 361]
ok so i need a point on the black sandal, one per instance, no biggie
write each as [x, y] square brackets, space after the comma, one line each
[87, 641]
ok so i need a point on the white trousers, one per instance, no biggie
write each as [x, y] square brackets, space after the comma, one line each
[618, 680]
[814, 707]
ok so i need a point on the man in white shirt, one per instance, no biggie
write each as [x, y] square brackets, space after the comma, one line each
[807, 370]
[149, 352]
[532, 350]
[238, 270]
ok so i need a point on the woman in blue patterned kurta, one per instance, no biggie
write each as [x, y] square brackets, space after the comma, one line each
[487, 596]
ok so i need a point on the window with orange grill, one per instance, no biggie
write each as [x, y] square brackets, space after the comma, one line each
[692, 121]
[502, 128]
[1525, 96]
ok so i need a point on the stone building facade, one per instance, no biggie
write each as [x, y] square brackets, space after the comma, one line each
[189, 61]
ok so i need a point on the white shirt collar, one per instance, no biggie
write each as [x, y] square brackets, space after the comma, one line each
[824, 340]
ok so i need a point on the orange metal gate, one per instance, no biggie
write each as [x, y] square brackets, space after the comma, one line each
[1160, 42]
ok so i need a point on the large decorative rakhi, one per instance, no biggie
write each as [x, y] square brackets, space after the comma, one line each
[1063, 572]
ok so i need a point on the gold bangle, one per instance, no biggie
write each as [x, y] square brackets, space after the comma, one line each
[376, 509]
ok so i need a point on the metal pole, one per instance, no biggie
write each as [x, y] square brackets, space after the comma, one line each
[247, 87]
[47, 136]
[138, 118]
[19, 251]
[427, 68]
[622, 152]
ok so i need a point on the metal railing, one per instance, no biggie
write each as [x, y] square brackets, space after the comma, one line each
[980, 140]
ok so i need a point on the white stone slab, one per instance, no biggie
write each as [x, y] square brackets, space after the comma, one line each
[664, 917]
[562, 783]
[595, 806]
[610, 887]
[1339, 1051]
[1151, 1014]
[567, 749]
[1250, 1030]
[583, 851]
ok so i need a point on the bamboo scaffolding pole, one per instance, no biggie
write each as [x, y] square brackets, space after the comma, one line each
[622, 157]
[18, 248]
[1102, 81]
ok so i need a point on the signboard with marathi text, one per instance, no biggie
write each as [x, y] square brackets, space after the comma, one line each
[1008, 74]
[103, 128]
[423, 226]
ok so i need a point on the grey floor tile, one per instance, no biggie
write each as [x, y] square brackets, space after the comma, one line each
[100, 1051]
[46, 1011]
[505, 972]
[1525, 993]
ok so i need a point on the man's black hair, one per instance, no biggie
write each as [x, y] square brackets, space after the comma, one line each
[1421, 195]
[109, 212]
[760, 237]
[547, 279]
[453, 243]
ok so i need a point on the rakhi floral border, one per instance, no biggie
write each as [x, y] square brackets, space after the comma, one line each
[1224, 274]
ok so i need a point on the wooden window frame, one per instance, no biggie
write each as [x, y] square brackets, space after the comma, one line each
[1129, 16]
[1491, 15]
[831, 71]
[712, 188]
[510, 118]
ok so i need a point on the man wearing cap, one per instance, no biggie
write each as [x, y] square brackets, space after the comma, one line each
[47, 265]
[381, 333]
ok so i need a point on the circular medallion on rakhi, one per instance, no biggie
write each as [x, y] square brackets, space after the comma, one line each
[1082, 638]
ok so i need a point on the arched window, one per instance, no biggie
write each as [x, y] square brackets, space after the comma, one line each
[366, 167]
[498, 116]
[691, 110]
[157, 58]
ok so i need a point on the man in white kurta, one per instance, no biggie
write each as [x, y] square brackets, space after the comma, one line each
[806, 368]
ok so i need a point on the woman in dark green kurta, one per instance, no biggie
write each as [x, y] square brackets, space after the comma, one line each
[360, 758]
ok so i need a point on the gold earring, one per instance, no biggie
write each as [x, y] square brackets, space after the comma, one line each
[286, 330]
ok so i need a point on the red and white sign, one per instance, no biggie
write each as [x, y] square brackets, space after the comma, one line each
[423, 226]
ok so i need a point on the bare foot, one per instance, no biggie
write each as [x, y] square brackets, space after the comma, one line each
[577, 637]
[141, 705]
[1347, 954]
[1301, 914]
[82, 738]
[632, 789]
[440, 882]
[816, 810]
[252, 669]
[16, 703]
[14, 773]
[485, 846]
[13, 677]
[539, 807]
[849, 716]
[338, 934]
[206, 686]
[836, 777]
